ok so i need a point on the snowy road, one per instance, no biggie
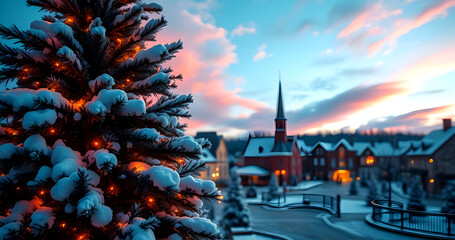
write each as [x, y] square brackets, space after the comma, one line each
[298, 224]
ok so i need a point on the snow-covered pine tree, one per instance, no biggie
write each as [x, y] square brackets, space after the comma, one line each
[416, 197]
[449, 198]
[93, 144]
[273, 186]
[235, 212]
[373, 192]
[353, 189]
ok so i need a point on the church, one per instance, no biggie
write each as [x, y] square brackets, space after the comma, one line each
[280, 155]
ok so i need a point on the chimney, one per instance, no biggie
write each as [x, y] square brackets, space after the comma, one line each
[446, 123]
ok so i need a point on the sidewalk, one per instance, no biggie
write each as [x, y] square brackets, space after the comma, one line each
[354, 224]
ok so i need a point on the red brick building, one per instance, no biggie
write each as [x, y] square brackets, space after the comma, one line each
[279, 155]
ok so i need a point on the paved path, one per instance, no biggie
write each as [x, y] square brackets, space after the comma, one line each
[298, 224]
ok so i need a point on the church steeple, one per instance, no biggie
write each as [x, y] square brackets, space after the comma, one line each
[280, 120]
[279, 107]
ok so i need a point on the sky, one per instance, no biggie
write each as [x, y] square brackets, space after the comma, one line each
[345, 65]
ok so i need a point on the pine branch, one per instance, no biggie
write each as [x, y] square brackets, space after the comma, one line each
[192, 168]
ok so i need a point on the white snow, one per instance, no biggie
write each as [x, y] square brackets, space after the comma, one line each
[133, 108]
[186, 143]
[151, 6]
[65, 161]
[134, 231]
[12, 228]
[65, 186]
[152, 80]
[77, 117]
[198, 185]
[44, 174]
[152, 54]
[149, 133]
[174, 236]
[100, 30]
[20, 210]
[105, 80]
[54, 29]
[163, 177]
[199, 225]
[105, 159]
[27, 98]
[69, 55]
[39, 118]
[36, 143]
[62, 152]
[8, 150]
[42, 218]
[96, 107]
[92, 203]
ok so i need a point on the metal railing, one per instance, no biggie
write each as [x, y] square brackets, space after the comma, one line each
[419, 221]
[330, 203]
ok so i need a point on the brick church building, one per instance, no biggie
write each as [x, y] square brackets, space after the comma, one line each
[280, 154]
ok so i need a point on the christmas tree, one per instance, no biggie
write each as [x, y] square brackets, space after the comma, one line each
[373, 193]
[273, 187]
[449, 198]
[235, 212]
[416, 197]
[93, 147]
[353, 190]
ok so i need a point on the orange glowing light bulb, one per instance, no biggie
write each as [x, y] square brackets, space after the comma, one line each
[128, 80]
[283, 172]
[63, 225]
[52, 131]
[41, 193]
[150, 200]
[277, 172]
[119, 40]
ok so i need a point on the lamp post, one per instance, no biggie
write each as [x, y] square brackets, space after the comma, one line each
[280, 174]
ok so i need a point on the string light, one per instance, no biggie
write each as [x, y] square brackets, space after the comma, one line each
[14, 133]
[69, 20]
[119, 40]
[179, 195]
[37, 83]
[128, 80]
[57, 64]
[52, 131]
[18, 188]
[95, 143]
[150, 200]
[176, 210]
[63, 225]
[42, 192]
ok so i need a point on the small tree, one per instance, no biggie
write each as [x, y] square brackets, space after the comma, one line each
[416, 199]
[372, 191]
[251, 192]
[235, 212]
[449, 197]
[273, 186]
[353, 190]
[294, 181]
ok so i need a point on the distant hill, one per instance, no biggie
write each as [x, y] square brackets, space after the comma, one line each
[312, 139]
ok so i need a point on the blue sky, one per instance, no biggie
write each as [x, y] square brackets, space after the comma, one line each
[344, 64]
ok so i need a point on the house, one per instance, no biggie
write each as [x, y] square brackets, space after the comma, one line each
[219, 153]
[333, 161]
[279, 154]
[434, 158]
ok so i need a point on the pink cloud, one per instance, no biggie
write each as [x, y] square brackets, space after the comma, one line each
[370, 14]
[206, 54]
[429, 14]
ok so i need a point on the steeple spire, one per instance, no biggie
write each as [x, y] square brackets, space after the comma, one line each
[280, 120]
[279, 108]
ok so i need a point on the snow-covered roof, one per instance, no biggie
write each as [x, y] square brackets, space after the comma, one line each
[252, 170]
[325, 145]
[263, 147]
[381, 149]
[433, 141]
[360, 147]
[303, 148]
[207, 156]
[345, 143]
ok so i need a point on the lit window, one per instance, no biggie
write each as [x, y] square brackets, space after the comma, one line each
[432, 180]
[431, 160]
[315, 162]
[412, 162]
[369, 160]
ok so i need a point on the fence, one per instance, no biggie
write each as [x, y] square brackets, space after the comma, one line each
[419, 221]
[329, 203]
